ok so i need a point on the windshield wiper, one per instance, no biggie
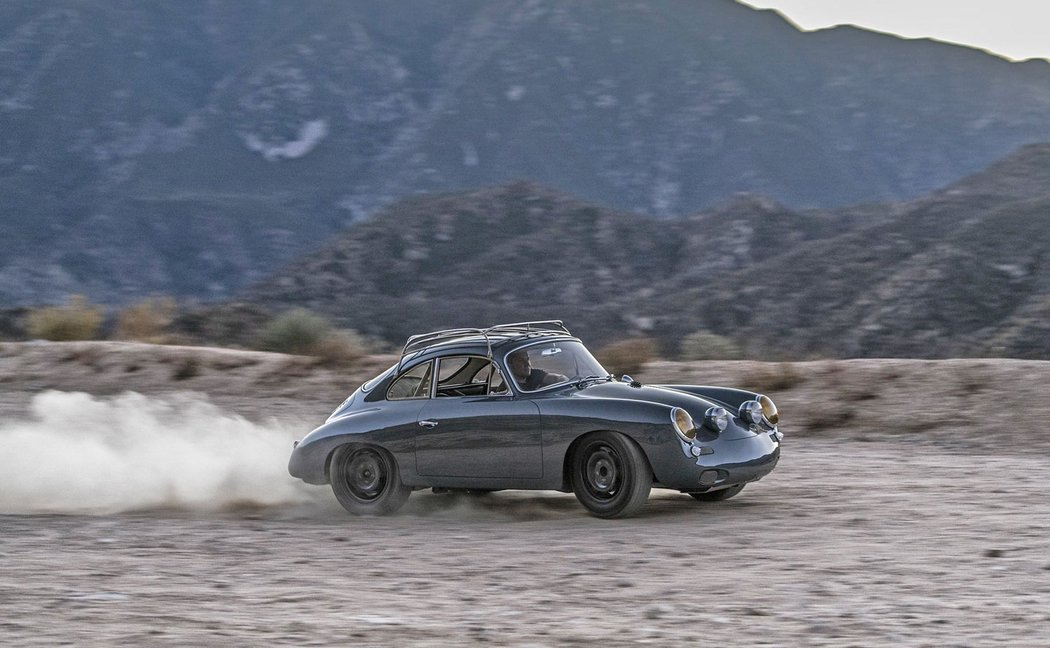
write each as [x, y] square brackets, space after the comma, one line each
[581, 381]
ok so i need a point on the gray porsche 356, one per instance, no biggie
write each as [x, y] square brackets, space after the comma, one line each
[526, 406]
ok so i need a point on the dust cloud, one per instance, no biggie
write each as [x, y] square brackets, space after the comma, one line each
[80, 454]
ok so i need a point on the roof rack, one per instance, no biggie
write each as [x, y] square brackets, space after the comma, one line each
[424, 340]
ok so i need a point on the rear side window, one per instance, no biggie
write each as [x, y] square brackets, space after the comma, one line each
[414, 383]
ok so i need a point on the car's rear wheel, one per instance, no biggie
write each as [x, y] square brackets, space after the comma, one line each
[366, 480]
[610, 475]
[718, 495]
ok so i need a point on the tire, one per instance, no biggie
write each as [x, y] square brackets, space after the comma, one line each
[718, 495]
[366, 480]
[610, 475]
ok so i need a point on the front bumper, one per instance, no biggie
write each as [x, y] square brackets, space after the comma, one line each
[724, 463]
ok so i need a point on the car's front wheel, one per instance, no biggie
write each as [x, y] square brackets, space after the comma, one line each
[610, 475]
[366, 480]
[718, 495]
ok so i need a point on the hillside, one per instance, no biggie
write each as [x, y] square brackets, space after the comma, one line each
[962, 271]
[147, 148]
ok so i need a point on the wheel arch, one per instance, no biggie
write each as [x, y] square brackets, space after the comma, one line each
[566, 460]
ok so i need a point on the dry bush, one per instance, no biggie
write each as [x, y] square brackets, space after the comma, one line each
[781, 376]
[77, 320]
[297, 332]
[340, 349]
[627, 356]
[146, 321]
[300, 332]
[831, 419]
[87, 356]
[187, 368]
[704, 345]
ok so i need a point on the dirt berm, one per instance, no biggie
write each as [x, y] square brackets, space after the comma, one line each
[909, 509]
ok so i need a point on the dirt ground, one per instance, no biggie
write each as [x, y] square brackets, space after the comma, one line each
[876, 529]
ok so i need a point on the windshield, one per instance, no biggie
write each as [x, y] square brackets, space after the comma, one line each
[549, 363]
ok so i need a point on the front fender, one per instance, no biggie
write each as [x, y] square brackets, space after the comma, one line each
[646, 423]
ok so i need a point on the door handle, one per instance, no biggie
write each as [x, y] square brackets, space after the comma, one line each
[427, 424]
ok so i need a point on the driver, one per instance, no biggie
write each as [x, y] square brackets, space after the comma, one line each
[530, 379]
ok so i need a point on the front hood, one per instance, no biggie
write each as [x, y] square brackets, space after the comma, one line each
[695, 405]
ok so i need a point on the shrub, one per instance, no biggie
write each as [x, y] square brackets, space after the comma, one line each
[77, 320]
[186, 369]
[300, 332]
[339, 348]
[781, 376]
[297, 332]
[146, 320]
[704, 345]
[627, 356]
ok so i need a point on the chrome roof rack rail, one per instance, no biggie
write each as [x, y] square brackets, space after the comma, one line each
[419, 342]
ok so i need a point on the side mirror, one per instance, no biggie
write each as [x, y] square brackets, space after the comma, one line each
[627, 379]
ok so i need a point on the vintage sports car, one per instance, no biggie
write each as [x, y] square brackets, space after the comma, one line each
[526, 406]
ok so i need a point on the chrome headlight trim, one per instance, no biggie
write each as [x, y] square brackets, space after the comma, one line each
[769, 410]
[751, 412]
[683, 424]
[716, 418]
[759, 412]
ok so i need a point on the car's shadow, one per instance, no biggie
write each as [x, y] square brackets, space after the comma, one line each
[545, 505]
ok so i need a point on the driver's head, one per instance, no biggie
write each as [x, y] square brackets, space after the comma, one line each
[519, 364]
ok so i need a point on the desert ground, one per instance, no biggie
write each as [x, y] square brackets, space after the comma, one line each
[144, 501]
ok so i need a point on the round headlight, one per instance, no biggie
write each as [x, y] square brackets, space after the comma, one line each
[683, 424]
[769, 410]
[716, 418]
[751, 412]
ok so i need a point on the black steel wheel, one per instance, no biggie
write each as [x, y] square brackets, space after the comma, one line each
[718, 495]
[366, 480]
[610, 475]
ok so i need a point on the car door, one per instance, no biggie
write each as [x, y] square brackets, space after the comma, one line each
[473, 427]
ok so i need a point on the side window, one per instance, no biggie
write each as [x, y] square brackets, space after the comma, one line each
[468, 376]
[414, 383]
[491, 375]
[449, 367]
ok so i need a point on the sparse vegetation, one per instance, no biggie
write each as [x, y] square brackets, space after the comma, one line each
[704, 345]
[298, 332]
[77, 320]
[833, 419]
[146, 321]
[186, 369]
[340, 348]
[301, 332]
[627, 356]
[781, 376]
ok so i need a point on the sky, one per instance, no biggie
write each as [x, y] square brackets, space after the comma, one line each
[1016, 29]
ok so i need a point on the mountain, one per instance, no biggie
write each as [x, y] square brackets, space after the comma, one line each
[962, 271]
[189, 148]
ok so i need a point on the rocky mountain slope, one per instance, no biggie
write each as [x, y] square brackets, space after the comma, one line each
[962, 271]
[187, 149]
